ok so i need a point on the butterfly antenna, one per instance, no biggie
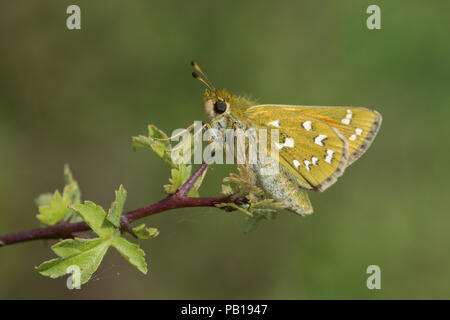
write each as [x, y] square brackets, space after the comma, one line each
[205, 79]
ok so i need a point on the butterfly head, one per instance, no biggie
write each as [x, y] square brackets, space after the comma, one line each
[216, 102]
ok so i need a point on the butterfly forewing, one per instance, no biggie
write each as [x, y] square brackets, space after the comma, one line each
[315, 151]
[358, 125]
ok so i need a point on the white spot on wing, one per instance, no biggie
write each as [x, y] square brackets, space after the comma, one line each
[329, 156]
[275, 123]
[307, 164]
[318, 140]
[307, 125]
[349, 114]
[289, 142]
[348, 117]
[358, 132]
[314, 161]
[296, 163]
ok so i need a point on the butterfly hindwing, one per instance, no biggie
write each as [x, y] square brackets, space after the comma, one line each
[315, 152]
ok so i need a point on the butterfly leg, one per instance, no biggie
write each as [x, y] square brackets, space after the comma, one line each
[188, 129]
[245, 148]
[249, 173]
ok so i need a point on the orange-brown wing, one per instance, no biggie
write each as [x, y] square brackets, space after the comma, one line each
[314, 152]
[357, 125]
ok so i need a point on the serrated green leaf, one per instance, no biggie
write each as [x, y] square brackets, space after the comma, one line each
[131, 252]
[178, 177]
[242, 183]
[267, 206]
[56, 211]
[153, 141]
[145, 233]
[156, 133]
[72, 194]
[266, 209]
[71, 247]
[258, 217]
[232, 206]
[68, 176]
[194, 193]
[159, 146]
[95, 217]
[257, 207]
[178, 154]
[71, 190]
[87, 254]
[44, 199]
[54, 207]
[86, 260]
[116, 210]
[227, 190]
[141, 142]
[253, 223]
[185, 172]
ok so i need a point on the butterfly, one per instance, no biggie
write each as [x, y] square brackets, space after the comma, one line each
[316, 143]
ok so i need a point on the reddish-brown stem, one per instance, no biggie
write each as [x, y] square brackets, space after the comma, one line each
[70, 230]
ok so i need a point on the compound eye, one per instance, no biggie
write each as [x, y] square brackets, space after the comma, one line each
[220, 106]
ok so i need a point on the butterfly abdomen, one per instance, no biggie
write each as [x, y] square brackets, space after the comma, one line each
[283, 189]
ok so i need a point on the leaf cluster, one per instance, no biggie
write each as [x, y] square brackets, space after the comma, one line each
[84, 254]
[248, 198]
[159, 142]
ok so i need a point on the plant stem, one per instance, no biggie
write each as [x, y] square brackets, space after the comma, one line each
[69, 230]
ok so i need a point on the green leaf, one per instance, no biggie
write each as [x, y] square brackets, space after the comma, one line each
[227, 190]
[53, 208]
[257, 207]
[116, 210]
[253, 223]
[232, 206]
[95, 217]
[56, 211]
[178, 154]
[241, 184]
[266, 206]
[71, 190]
[153, 141]
[194, 193]
[131, 252]
[44, 199]
[266, 209]
[159, 142]
[179, 176]
[145, 233]
[70, 247]
[85, 254]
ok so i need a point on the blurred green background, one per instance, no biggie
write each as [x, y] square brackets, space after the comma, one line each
[79, 96]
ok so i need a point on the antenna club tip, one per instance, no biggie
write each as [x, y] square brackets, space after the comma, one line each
[193, 63]
[195, 75]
